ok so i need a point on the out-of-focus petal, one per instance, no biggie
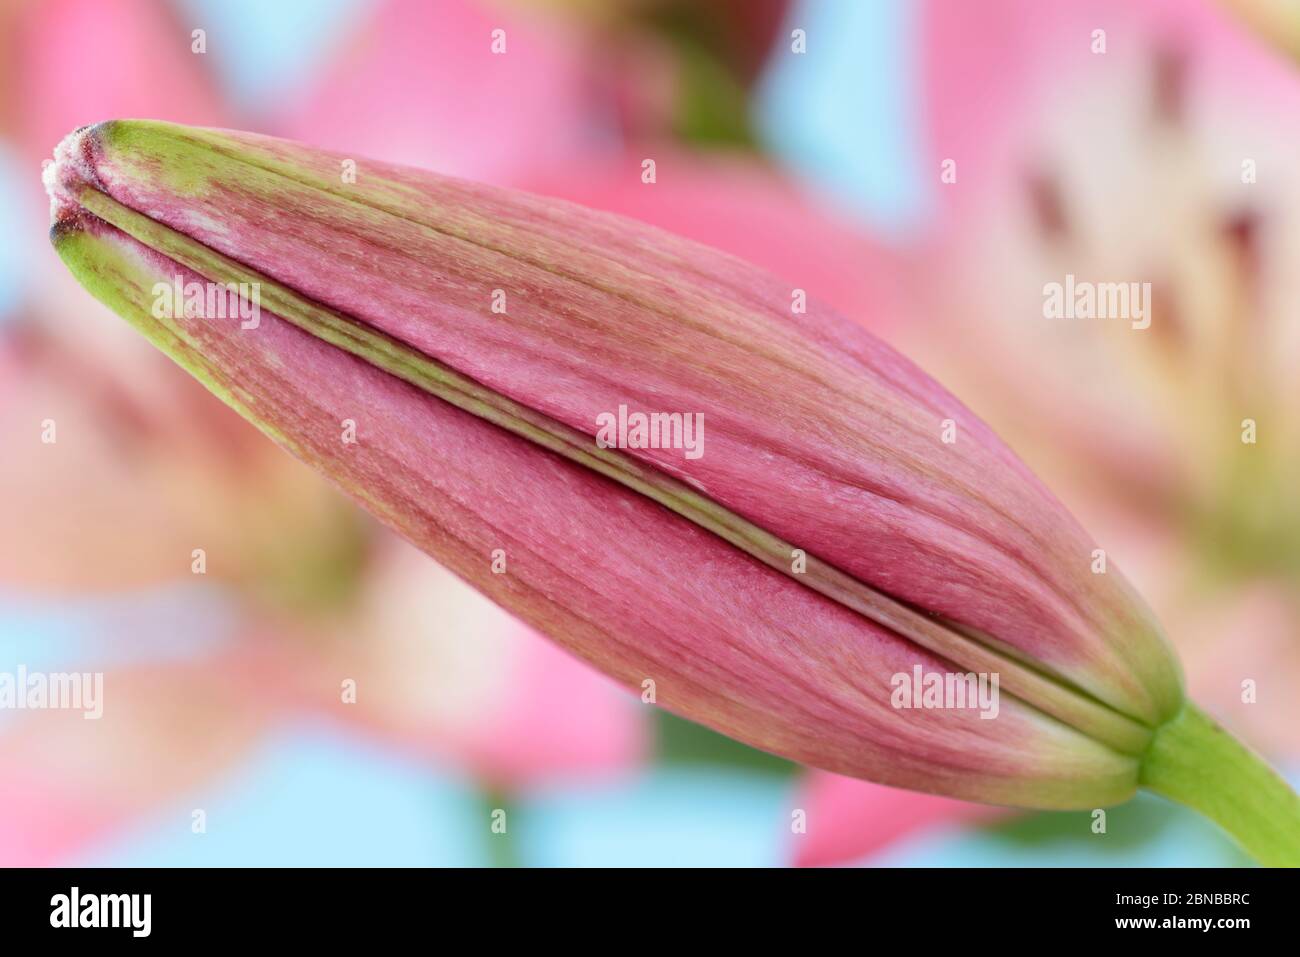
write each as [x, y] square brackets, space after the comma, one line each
[989, 67]
[1243, 660]
[122, 468]
[420, 83]
[848, 819]
[1278, 21]
[86, 61]
[440, 669]
[1181, 98]
[165, 732]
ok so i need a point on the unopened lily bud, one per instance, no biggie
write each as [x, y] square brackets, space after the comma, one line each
[803, 540]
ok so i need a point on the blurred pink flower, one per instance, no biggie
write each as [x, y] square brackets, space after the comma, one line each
[444, 673]
[83, 61]
[1159, 160]
[167, 730]
[849, 819]
[419, 83]
[142, 470]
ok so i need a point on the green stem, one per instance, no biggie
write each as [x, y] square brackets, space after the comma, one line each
[501, 847]
[1195, 762]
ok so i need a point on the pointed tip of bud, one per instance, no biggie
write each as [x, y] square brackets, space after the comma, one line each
[72, 169]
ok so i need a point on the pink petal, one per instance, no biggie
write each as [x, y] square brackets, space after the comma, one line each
[991, 67]
[86, 61]
[848, 819]
[419, 83]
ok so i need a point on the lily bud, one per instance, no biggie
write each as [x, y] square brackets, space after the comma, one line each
[757, 515]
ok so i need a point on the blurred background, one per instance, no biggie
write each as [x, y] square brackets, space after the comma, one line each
[809, 136]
